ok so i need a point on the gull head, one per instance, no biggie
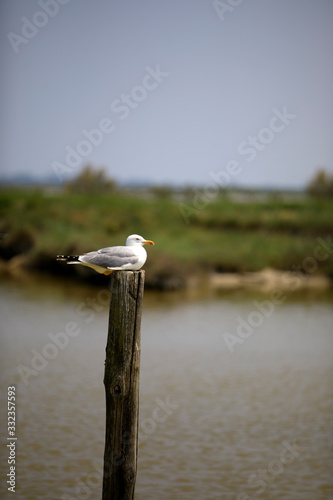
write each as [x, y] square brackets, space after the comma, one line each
[137, 240]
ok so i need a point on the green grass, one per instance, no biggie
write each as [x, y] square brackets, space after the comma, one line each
[224, 236]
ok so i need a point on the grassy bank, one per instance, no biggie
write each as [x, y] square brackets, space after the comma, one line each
[225, 235]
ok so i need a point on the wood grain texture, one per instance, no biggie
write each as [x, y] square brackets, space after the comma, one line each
[121, 380]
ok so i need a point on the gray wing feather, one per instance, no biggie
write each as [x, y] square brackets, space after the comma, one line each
[110, 257]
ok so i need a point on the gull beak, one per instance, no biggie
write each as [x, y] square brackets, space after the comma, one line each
[148, 242]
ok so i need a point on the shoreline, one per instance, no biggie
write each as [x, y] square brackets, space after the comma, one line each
[269, 279]
[265, 280]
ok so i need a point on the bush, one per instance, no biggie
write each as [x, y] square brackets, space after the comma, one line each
[91, 181]
[321, 185]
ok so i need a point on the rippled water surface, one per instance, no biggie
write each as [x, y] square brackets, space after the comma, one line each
[214, 424]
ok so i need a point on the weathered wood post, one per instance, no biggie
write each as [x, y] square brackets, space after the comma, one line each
[121, 380]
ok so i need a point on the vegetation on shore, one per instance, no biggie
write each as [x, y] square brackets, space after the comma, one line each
[223, 235]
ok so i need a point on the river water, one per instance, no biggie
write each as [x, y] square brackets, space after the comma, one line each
[236, 394]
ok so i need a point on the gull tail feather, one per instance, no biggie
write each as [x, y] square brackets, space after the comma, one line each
[68, 258]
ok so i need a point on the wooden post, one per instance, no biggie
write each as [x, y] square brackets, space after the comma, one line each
[121, 380]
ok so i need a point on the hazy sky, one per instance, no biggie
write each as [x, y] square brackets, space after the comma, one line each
[181, 91]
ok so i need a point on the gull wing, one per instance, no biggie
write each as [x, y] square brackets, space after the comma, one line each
[110, 257]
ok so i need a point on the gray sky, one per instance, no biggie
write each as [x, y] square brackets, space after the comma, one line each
[181, 91]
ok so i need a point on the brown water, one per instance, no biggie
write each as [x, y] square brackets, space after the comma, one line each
[214, 424]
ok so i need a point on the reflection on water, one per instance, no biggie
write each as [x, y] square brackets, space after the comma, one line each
[214, 424]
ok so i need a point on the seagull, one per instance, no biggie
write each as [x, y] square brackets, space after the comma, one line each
[106, 260]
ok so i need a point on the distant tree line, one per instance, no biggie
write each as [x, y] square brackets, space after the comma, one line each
[91, 180]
